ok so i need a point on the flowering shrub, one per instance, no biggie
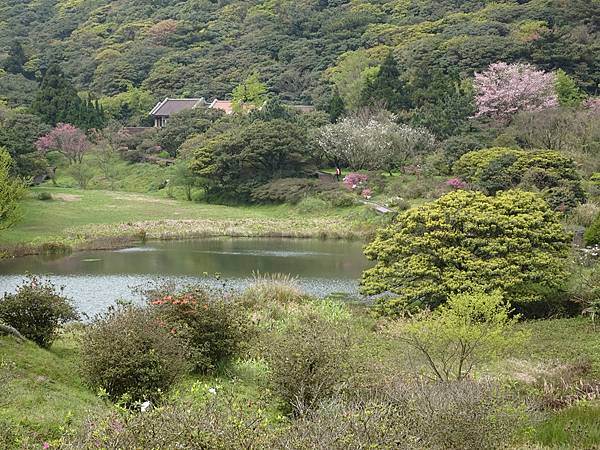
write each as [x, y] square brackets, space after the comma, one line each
[211, 323]
[367, 193]
[456, 183]
[354, 181]
[593, 104]
[37, 311]
[132, 355]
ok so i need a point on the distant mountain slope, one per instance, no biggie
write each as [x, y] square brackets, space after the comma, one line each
[206, 47]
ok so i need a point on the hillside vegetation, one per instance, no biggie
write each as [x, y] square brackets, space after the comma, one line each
[193, 47]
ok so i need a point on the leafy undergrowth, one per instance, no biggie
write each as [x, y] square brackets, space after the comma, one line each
[42, 396]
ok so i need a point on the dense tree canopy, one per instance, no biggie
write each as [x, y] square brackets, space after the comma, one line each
[233, 163]
[547, 171]
[206, 48]
[11, 191]
[466, 241]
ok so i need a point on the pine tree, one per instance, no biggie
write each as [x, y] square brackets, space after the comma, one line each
[387, 88]
[16, 59]
[336, 107]
[57, 100]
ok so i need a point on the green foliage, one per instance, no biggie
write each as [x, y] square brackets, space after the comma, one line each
[574, 427]
[219, 422]
[11, 191]
[237, 161]
[386, 89]
[82, 173]
[567, 90]
[19, 132]
[497, 169]
[285, 190]
[184, 125]
[213, 327]
[592, 233]
[16, 59]
[252, 93]
[308, 356]
[336, 107]
[312, 205]
[463, 415]
[130, 107]
[57, 102]
[466, 241]
[129, 354]
[467, 331]
[37, 311]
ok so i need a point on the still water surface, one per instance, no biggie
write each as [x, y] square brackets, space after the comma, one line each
[96, 279]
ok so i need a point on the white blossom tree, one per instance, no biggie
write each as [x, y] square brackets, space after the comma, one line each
[372, 141]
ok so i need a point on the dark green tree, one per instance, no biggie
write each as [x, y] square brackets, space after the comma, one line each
[387, 88]
[336, 107]
[234, 163]
[16, 59]
[18, 134]
[57, 102]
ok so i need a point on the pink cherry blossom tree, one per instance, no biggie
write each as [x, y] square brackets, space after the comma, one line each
[504, 89]
[67, 140]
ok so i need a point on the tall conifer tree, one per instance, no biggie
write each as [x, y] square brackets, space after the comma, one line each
[387, 88]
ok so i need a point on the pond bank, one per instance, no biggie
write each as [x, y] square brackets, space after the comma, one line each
[115, 236]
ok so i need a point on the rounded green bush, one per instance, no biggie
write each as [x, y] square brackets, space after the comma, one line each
[132, 355]
[37, 310]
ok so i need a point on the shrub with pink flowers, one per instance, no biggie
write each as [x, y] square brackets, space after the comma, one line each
[367, 193]
[593, 104]
[355, 181]
[456, 183]
[211, 323]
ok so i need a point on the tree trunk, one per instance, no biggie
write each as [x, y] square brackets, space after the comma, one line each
[5, 329]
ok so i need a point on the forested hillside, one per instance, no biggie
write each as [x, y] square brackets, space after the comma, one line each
[301, 48]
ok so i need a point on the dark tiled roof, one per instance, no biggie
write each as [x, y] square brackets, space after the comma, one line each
[171, 106]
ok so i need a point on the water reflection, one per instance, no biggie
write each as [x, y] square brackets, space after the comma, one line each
[96, 279]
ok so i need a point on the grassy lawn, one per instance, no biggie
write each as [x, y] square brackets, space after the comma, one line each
[74, 217]
[41, 392]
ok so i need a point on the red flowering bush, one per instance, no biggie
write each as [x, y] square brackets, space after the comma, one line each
[212, 323]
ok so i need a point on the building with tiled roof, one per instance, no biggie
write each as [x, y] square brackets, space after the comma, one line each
[169, 106]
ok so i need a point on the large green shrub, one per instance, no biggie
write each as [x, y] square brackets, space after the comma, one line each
[498, 169]
[11, 191]
[307, 356]
[285, 190]
[592, 233]
[470, 329]
[466, 241]
[132, 355]
[37, 310]
[212, 326]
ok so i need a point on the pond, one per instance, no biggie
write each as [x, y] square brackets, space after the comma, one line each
[96, 279]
